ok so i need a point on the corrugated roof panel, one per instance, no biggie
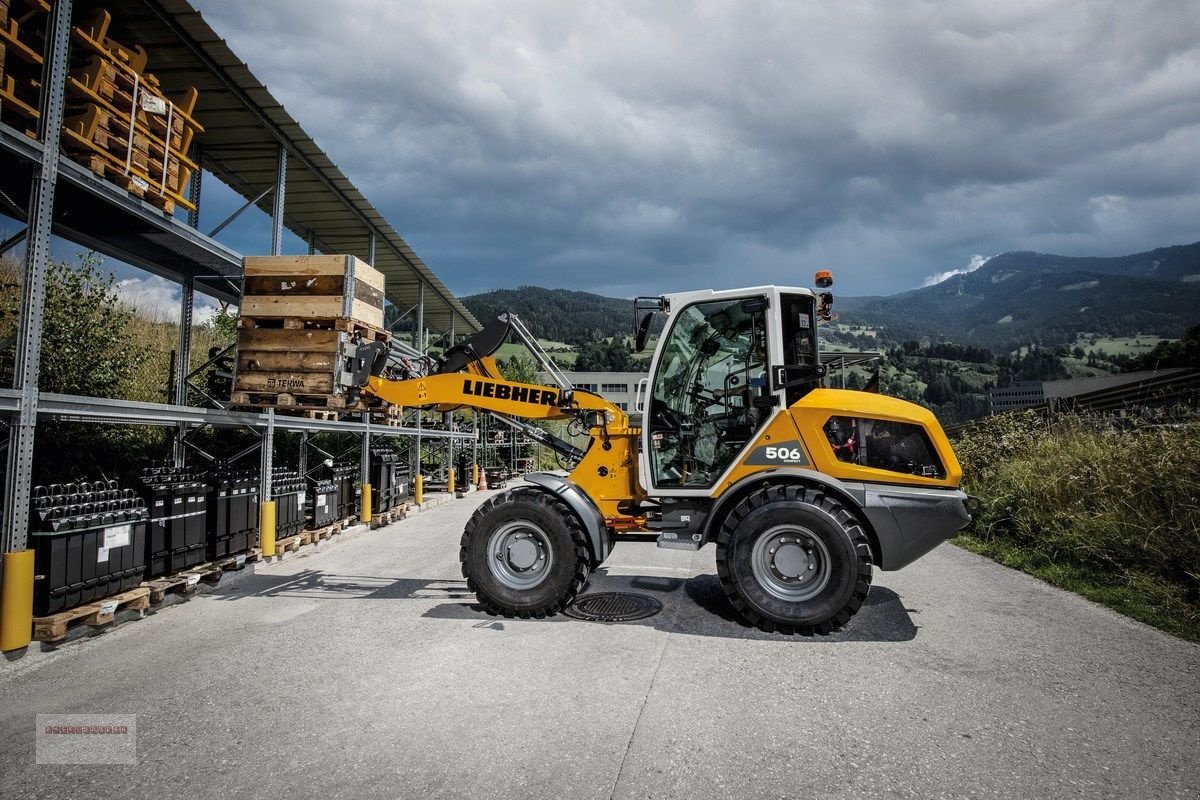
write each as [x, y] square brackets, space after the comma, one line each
[244, 125]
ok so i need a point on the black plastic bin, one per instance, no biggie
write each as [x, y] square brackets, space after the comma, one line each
[346, 477]
[389, 480]
[89, 541]
[288, 491]
[177, 533]
[323, 496]
[232, 512]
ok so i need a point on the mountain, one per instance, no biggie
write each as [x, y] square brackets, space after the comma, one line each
[558, 315]
[1012, 299]
[1019, 296]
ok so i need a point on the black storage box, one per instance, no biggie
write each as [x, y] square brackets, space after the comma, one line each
[176, 539]
[324, 498]
[232, 512]
[89, 541]
[346, 476]
[288, 492]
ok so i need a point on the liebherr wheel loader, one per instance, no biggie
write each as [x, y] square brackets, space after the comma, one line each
[804, 490]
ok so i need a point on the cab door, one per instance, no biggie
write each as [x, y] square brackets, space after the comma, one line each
[709, 394]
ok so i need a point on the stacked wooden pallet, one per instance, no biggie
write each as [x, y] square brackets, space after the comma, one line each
[301, 318]
[23, 25]
[120, 124]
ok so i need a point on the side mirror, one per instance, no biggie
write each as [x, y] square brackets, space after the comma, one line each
[643, 332]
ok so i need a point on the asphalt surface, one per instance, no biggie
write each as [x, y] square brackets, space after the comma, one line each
[363, 671]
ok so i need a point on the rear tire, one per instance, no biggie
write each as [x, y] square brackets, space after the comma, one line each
[524, 554]
[794, 560]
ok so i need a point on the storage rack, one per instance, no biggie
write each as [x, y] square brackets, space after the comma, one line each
[252, 145]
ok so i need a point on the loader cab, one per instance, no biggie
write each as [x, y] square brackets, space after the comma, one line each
[726, 363]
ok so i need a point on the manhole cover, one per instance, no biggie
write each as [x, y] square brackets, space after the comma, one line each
[613, 607]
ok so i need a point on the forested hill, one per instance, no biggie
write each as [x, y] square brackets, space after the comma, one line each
[1010, 301]
[557, 314]
[1019, 297]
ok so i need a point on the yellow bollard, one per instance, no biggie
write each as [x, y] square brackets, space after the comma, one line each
[450, 480]
[16, 601]
[365, 512]
[266, 528]
[474, 474]
[419, 489]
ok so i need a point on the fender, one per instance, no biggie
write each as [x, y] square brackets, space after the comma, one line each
[852, 495]
[578, 502]
[902, 522]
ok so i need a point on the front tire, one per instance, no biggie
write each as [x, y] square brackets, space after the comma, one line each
[524, 554]
[793, 560]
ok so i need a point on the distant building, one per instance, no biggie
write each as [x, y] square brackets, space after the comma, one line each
[1018, 395]
[617, 387]
[1027, 394]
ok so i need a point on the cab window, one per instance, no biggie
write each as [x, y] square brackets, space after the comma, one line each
[702, 412]
[882, 444]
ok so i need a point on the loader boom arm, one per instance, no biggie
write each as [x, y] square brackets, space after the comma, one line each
[455, 390]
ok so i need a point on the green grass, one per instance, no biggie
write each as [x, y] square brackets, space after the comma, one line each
[1122, 345]
[1111, 513]
[560, 351]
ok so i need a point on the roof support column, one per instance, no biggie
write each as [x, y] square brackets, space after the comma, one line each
[371, 247]
[183, 364]
[280, 197]
[33, 289]
[419, 327]
[193, 217]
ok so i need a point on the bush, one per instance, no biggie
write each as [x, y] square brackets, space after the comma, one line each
[1093, 503]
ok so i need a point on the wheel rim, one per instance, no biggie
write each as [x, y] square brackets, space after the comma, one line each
[519, 555]
[791, 563]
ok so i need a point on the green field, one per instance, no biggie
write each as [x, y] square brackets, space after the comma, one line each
[560, 351]
[1116, 346]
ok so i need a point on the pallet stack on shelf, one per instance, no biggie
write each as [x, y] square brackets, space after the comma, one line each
[121, 125]
[23, 25]
[301, 320]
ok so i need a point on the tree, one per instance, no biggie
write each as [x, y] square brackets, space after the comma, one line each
[519, 368]
[607, 356]
[85, 345]
[1182, 353]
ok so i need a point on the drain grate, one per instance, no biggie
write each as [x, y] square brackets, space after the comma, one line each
[613, 607]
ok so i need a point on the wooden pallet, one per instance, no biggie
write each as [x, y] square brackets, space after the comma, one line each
[314, 406]
[368, 332]
[111, 172]
[287, 544]
[320, 534]
[185, 582]
[54, 627]
[395, 514]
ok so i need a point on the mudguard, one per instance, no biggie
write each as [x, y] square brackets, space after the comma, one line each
[906, 522]
[578, 501]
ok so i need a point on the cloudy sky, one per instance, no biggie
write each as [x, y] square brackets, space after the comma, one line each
[627, 147]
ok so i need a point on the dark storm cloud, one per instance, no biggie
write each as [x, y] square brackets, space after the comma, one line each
[626, 147]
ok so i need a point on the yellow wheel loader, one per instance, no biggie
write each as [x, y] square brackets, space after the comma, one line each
[804, 490]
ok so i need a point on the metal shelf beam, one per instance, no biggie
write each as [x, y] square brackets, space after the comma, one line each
[72, 408]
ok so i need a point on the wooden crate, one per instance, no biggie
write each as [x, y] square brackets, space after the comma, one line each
[313, 287]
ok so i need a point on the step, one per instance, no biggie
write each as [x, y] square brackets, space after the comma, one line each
[672, 541]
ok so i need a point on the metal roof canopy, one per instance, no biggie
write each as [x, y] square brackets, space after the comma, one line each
[244, 129]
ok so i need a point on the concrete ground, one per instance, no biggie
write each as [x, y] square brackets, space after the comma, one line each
[363, 671]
